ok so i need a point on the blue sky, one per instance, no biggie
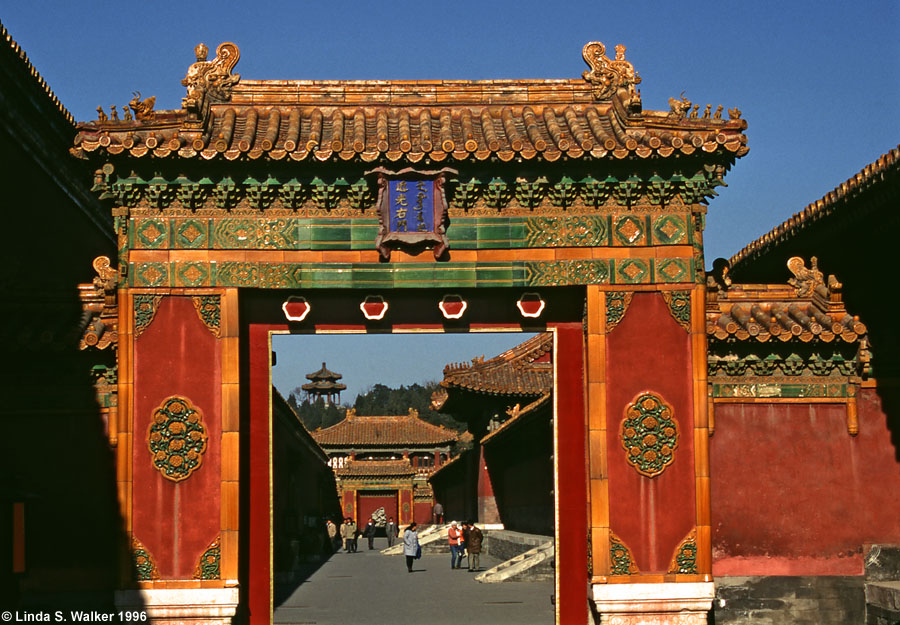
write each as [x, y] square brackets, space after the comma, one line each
[818, 82]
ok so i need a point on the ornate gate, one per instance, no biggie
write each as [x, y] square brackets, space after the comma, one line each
[274, 206]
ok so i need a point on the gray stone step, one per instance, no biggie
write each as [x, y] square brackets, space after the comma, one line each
[518, 568]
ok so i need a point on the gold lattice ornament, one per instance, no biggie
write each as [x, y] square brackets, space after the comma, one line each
[649, 434]
[177, 438]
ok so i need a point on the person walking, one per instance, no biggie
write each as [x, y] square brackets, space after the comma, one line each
[411, 548]
[438, 513]
[392, 531]
[347, 536]
[473, 546]
[331, 528]
[354, 536]
[369, 533]
[453, 537]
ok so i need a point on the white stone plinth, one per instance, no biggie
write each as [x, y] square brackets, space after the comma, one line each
[183, 606]
[654, 604]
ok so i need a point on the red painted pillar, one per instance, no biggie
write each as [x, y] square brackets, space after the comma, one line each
[487, 504]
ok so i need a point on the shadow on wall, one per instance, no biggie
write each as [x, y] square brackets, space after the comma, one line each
[61, 525]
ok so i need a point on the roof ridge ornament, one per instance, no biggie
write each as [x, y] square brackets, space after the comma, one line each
[607, 75]
[210, 81]
[805, 280]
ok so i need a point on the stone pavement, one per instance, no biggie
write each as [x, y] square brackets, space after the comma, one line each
[368, 588]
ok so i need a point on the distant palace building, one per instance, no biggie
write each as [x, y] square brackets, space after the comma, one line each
[324, 383]
[385, 462]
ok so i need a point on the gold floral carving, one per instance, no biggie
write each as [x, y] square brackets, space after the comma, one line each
[649, 434]
[144, 567]
[209, 310]
[145, 307]
[177, 438]
[616, 304]
[208, 565]
[621, 561]
[679, 303]
[684, 560]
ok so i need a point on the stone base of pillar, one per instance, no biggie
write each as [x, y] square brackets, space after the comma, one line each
[183, 606]
[654, 604]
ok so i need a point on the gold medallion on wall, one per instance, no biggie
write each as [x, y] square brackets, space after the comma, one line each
[649, 434]
[177, 438]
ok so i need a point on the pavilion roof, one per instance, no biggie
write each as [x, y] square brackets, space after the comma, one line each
[597, 116]
[323, 374]
[809, 310]
[524, 370]
[366, 468]
[389, 431]
[323, 386]
[842, 201]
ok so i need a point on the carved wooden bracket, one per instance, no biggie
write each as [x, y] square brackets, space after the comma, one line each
[101, 310]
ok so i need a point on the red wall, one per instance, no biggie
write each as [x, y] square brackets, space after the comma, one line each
[649, 351]
[368, 504]
[794, 494]
[422, 512]
[176, 355]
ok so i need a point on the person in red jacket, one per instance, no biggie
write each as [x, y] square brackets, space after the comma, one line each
[454, 534]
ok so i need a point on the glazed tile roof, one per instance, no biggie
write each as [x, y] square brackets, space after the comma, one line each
[383, 431]
[17, 51]
[323, 374]
[408, 121]
[807, 310]
[516, 414]
[525, 370]
[838, 201]
[381, 468]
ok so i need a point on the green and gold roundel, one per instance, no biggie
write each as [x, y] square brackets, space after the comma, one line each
[649, 434]
[177, 438]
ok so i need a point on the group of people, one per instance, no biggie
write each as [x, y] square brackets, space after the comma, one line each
[465, 541]
[349, 534]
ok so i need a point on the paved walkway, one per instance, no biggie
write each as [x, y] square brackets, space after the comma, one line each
[372, 589]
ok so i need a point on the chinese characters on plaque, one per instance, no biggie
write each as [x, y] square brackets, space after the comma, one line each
[413, 208]
[411, 205]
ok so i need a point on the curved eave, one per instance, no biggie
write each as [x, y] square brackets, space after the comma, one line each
[833, 202]
[394, 122]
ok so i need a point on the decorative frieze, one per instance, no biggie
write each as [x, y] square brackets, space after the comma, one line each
[810, 363]
[257, 194]
[751, 390]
